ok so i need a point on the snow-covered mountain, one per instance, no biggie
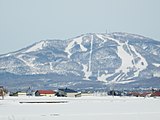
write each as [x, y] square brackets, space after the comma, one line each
[119, 58]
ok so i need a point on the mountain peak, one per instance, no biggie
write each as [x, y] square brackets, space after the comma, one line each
[110, 58]
[37, 46]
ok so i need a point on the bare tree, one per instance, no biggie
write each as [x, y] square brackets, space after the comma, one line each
[2, 92]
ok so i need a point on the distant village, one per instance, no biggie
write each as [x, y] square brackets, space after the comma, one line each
[67, 92]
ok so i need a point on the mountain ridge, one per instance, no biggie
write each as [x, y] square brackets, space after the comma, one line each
[119, 58]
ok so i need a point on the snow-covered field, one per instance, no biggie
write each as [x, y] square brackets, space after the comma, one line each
[82, 108]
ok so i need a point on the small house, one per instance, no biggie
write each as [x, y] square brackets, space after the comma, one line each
[18, 93]
[68, 93]
[49, 93]
[145, 94]
[21, 93]
[136, 94]
[155, 94]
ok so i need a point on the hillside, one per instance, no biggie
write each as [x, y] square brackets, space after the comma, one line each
[87, 61]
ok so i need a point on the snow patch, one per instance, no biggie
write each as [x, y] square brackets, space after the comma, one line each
[71, 45]
[102, 37]
[28, 62]
[128, 61]
[156, 74]
[51, 66]
[156, 64]
[87, 69]
[158, 45]
[7, 55]
[37, 47]
[87, 73]
[155, 53]
[125, 82]
[104, 76]
[118, 78]
[90, 57]
[142, 63]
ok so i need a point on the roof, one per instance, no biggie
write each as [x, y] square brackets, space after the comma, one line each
[45, 91]
[155, 94]
[68, 90]
[21, 92]
[145, 94]
[134, 93]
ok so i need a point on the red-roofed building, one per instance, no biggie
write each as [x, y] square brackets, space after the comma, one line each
[136, 94]
[154, 94]
[49, 93]
[145, 94]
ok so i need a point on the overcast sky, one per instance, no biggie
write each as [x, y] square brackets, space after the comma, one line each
[24, 22]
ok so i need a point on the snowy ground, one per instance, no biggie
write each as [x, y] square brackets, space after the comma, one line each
[83, 108]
